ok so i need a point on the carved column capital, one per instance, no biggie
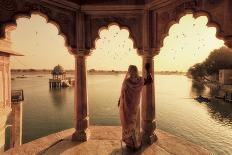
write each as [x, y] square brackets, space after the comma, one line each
[80, 52]
[149, 53]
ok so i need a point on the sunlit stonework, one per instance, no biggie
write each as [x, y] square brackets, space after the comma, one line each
[148, 23]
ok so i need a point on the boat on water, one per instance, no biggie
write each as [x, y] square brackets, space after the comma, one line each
[21, 77]
[201, 99]
[66, 84]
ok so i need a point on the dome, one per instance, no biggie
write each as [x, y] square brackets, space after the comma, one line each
[58, 70]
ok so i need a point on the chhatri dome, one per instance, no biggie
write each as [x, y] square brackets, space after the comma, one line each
[59, 78]
[58, 70]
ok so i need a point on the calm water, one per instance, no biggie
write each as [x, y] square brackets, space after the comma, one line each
[47, 111]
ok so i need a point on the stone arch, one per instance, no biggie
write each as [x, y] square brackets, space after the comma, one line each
[18, 16]
[95, 22]
[196, 14]
[106, 27]
[63, 19]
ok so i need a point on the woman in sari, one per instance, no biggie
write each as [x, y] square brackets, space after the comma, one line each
[129, 102]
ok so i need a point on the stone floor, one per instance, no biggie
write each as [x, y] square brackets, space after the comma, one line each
[106, 140]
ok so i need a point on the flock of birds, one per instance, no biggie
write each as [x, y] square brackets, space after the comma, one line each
[122, 48]
[117, 46]
[201, 42]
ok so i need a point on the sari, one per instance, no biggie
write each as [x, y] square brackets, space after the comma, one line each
[129, 110]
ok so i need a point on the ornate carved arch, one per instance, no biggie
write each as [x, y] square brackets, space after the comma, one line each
[95, 23]
[219, 33]
[121, 28]
[63, 19]
[170, 15]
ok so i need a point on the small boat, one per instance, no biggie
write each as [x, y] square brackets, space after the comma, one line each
[22, 76]
[201, 99]
[66, 84]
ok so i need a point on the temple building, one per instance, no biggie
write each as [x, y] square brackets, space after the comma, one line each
[58, 73]
[59, 78]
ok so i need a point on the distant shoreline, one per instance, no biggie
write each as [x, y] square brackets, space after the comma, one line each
[91, 72]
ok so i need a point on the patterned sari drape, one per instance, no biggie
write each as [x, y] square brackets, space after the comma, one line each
[129, 111]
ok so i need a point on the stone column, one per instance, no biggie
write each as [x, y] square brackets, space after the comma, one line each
[81, 99]
[4, 116]
[16, 120]
[148, 103]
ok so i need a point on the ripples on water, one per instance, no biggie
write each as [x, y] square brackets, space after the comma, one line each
[47, 111]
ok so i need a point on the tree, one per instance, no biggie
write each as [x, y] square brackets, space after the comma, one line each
[218, 59]
[197, 71]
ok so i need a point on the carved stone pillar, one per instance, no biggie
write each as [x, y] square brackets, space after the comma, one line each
[81, 99]
[148, 103]
[16, 129]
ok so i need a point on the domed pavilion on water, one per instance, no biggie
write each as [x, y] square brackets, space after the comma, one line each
[59, 78]
[58, 72]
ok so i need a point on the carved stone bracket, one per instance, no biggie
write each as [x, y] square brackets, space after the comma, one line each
[228, 42]
[80, 52]
[149, 52]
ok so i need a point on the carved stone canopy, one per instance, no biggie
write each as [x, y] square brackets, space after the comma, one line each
[148, 21]
[109, 2]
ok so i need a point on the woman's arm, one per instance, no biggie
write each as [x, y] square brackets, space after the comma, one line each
[148, 79]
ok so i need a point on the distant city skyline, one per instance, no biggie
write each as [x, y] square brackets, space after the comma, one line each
[189, 42]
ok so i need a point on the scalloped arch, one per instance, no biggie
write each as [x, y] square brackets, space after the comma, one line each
[24, 15]
[106, 27]
[196, 14]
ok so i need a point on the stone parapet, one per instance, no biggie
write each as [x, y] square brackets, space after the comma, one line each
[105, 140]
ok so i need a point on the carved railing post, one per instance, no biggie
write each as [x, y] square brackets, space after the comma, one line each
[81, 99]
[148, 102]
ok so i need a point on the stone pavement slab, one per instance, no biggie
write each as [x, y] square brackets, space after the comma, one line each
[106, 140]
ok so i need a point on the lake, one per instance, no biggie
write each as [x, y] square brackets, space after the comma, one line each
[46, 111]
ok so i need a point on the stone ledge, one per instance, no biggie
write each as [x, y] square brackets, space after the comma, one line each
[105, 140]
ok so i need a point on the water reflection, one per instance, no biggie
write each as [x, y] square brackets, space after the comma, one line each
[197, 89]
[221, 111]
[58, 96]
[215, 91]
[218, 109]
[209, 125]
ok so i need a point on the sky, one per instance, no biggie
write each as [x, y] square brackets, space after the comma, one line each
[190, 41]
